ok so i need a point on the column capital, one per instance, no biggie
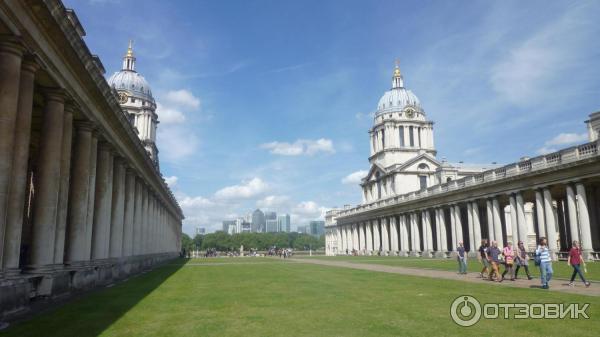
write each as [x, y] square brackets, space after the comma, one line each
[30, 63]
[84, 125]
[11, 44]
[54, 94]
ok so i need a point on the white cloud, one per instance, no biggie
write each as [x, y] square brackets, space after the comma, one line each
[182, 98]
[176, 143]
[169, 115]
[354, 177]
[540, 64]
[273, 201]
[561, 140]
[306, 211]
[300, 147]
[568, 138]
[248, 189]
[171, 181]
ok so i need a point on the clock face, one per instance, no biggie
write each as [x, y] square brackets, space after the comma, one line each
[122, 98]
[410, 113]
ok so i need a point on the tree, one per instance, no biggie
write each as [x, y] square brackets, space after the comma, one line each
[186, 242]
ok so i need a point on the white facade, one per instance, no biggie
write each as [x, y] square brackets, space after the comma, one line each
[403, 154]
[135, 97]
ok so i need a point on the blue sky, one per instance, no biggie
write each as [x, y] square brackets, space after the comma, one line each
[267, 103]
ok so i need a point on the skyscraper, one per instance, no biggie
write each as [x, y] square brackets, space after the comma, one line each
[283, 223]
[258, 221]
[271, 225]
[317, 227]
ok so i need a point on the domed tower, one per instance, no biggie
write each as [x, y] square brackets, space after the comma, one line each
[135, 97]
[400, 129]
[402, 153]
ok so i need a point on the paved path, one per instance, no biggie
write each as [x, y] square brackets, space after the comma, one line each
[555, 285]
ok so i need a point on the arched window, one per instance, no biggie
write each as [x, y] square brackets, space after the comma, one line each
[449, 179]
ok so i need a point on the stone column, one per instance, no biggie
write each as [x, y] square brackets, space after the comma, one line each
[361, 237]
[550, 221]
[376, 240]
[539, 210]
[128, 217]
[514, 222]
[476, 226]
[521, 224]
[18, 182]
[415, 234]
[453, 227]
[103, 203]
[497, 222]
[137, 221]
[490, 220]
[459, 230]
[65, 178]
[471, 229]
[427, 232]
[571, 203]
[438, 237]
[144, 226]
[394, 234]
[584, 220]
[443, 234]
[385, 236]
[89, 222]
[11, 53]
[404, 226]
[48, 182]
[369, 231]
[117, 209]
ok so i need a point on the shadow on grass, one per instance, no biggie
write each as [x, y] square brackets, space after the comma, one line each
[92, 313]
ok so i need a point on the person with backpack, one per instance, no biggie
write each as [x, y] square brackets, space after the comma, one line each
[575, 260]
[544, 260]
[509, 258]
[522, 260]
[483, 258]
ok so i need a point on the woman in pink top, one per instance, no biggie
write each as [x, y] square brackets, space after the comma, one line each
[575, 260]
[509, 259]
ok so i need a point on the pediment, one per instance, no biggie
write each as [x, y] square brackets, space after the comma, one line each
[414, 163]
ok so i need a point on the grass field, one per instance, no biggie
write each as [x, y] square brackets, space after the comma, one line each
[561, 269]
[271, 297]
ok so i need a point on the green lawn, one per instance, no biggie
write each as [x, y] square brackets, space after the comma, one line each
[561, 269]
[271, 297]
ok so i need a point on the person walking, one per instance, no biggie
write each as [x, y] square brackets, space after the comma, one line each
[542, 254]
[462, 258]
[494, 257]
[575, 260]
[522, 260]
[483, 258]
[509, 259]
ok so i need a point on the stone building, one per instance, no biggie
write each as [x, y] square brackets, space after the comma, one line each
[415, 205]
[82, 203]
[403, 155]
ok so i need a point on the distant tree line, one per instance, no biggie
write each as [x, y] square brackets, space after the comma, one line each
[260, 241]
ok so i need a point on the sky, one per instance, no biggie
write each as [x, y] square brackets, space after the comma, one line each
[268, 103]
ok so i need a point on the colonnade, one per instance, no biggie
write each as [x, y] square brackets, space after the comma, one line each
[562, 213]
[79, 206]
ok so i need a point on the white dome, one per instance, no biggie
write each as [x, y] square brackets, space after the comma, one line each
[397, 99]
[132, 82]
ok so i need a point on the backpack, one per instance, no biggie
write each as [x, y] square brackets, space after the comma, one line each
[537, 259]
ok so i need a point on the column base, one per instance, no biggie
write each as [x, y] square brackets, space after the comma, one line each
[440, 254]
[415, 254]
[428, 254]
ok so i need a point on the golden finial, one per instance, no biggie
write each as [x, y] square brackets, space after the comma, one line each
[130, 49]
[397, 69]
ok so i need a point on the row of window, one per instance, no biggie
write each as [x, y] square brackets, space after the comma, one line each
[411, 137]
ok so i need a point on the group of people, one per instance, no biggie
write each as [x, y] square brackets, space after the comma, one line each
[513, 259]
